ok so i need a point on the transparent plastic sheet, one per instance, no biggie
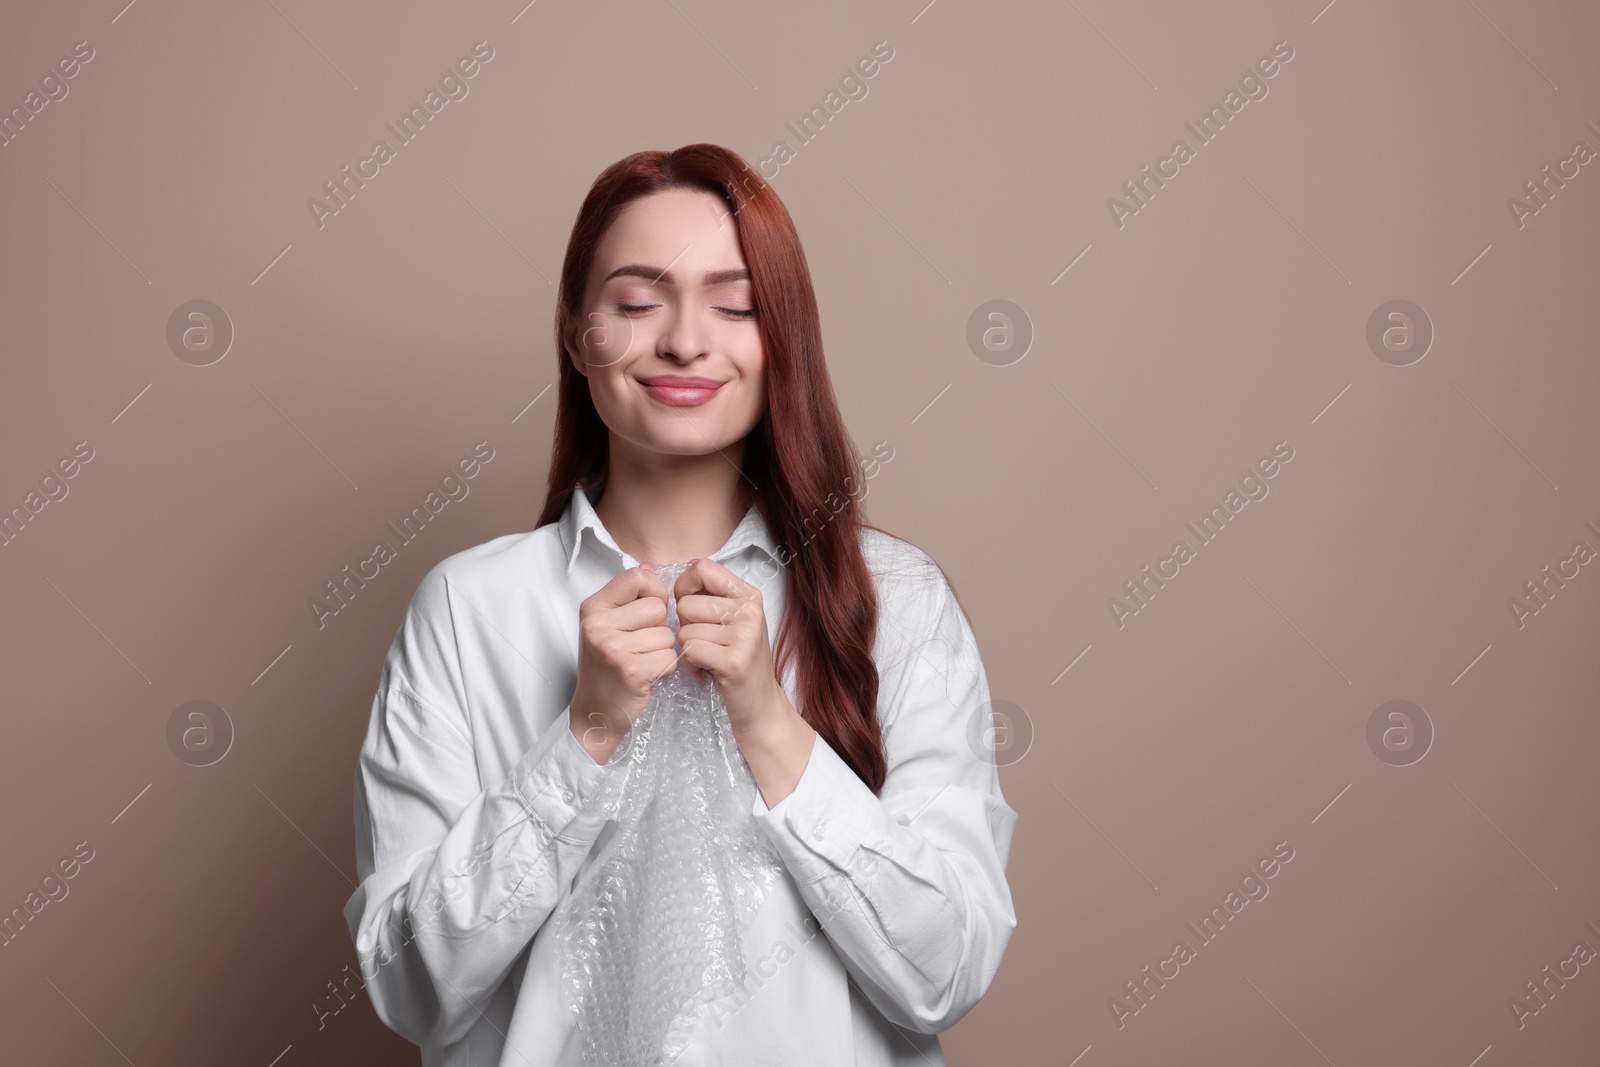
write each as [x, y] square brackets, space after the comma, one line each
[653, 929]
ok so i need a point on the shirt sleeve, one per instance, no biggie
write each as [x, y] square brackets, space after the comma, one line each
[456, 875]
[910, 885]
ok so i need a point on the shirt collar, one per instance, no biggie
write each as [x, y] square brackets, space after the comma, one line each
[580, 516]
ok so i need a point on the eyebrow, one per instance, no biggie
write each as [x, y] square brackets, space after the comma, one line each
[654, 274]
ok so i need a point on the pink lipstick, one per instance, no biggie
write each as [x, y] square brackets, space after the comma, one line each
[680, 391]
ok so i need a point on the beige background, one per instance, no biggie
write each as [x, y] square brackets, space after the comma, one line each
[1229, 314]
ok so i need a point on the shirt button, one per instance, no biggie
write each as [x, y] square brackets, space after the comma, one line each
[819, 831]
[569, 796]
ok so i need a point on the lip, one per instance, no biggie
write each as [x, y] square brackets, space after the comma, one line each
[681, 391]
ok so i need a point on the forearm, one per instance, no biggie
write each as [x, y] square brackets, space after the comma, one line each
[921, 922]
[437, 930]
[777, 750]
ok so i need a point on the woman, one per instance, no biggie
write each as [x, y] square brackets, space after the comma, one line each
[696, 423]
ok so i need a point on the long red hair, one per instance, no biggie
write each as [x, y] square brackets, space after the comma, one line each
[799, 455]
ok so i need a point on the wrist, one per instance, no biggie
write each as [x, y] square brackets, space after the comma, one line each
[778, 754]
[595, 733]
[780, 732]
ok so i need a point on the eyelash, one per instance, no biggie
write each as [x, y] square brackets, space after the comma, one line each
[738, 313]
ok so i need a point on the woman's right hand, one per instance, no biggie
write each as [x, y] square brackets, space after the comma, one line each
[624, 645]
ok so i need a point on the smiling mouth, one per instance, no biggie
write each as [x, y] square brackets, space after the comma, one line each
[681, 393]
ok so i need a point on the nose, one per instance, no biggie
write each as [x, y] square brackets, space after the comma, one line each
[683, 339]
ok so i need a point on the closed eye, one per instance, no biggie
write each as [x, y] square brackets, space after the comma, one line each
[636, 309]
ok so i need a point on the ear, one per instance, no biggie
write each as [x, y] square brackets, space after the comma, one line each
[569, 344]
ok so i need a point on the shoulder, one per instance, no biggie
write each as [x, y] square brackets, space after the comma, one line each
[914, 593]
[891, 555]
[530, 557]
[930, 670]
[899, 566]
[452, 595]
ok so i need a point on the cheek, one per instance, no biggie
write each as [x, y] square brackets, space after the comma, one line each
[608, 388]
[609, 341]
[752, 386]
[758, 393]
[752, 364]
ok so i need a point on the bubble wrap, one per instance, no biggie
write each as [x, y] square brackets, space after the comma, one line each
[652, 930]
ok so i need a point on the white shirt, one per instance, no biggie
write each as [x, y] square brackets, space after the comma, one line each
[474, 818]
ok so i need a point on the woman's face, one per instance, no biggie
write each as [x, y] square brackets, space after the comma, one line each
[669, 298]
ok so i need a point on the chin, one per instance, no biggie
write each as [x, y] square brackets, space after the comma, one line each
[687, 441]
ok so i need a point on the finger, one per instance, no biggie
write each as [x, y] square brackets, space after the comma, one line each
[646, 641]
[702, 607]
[709, 632]
[715, 594]
[625, 588]
[705, 654]
[647, 611]
[708, 576]
[660, 663]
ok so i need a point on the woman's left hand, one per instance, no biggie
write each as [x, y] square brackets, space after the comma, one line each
[722, 629]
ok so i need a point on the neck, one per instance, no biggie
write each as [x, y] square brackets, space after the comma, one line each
[659, 508]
